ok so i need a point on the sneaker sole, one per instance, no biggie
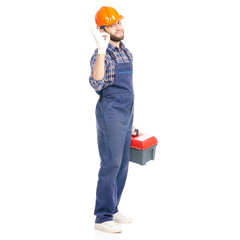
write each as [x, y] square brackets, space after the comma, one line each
[106, 230]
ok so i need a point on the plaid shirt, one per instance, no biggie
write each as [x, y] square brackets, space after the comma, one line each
[110, 64]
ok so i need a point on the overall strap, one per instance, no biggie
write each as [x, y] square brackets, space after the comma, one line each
[129, 58]
[114, 57]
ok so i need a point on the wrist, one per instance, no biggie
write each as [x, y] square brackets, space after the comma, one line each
[101, 51]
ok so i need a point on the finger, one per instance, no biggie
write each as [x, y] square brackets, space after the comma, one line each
[94, 31]
[106, 35]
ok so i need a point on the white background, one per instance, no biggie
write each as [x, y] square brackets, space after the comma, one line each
[186, 79]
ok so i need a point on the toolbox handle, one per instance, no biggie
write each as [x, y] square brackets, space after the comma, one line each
[137, 132]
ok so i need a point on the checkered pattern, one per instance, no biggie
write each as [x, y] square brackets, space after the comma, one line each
[109, 76]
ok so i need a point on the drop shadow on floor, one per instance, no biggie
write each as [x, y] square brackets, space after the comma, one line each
[107, 236]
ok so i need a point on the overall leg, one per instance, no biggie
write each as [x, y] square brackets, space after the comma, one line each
[122, 174]
[111, 140]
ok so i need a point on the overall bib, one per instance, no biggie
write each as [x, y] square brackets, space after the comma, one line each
[114, 115]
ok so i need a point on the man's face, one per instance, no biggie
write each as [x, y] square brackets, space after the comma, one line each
[116, 31]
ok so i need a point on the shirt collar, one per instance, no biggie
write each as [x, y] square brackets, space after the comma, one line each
[113, 47]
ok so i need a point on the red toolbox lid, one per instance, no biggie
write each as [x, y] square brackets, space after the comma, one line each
[143, 141]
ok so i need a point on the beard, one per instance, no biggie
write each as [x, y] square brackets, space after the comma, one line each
[115, 38]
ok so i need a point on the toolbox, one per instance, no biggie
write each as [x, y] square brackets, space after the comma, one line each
[143, 148]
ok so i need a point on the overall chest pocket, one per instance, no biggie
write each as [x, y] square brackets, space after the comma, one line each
[107, 103]
[124, 79]
[124, 72]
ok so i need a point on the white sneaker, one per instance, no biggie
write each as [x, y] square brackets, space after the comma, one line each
[120, 218]
[108, 226]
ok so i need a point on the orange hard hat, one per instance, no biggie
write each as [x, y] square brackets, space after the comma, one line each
[107, 16]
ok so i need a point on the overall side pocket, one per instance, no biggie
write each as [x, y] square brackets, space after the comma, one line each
[107, 103]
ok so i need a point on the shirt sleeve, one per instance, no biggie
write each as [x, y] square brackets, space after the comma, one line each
[96, 84]
[108, 77]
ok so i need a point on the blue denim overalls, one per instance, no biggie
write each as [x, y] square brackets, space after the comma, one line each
[114, 114]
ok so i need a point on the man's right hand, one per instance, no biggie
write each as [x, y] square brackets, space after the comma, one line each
[102, 39]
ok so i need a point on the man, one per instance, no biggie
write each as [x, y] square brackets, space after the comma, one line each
[111, 77]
